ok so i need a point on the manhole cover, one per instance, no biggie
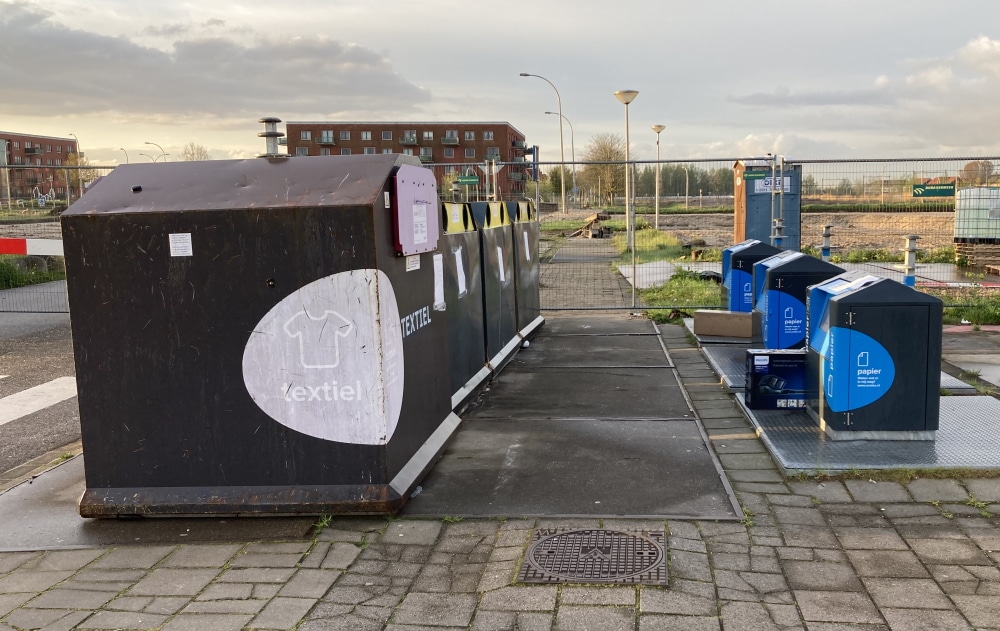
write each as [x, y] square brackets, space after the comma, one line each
[595, 556]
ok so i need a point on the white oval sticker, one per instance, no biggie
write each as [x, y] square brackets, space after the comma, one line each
[327, 360]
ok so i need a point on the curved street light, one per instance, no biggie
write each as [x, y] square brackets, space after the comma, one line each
[562, 150]
[126, 153]
[163, 153]
[572, 147]
[154, 159]
[626, 97]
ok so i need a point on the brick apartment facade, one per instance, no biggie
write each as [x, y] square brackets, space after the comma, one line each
[454, 148]
[31, 160]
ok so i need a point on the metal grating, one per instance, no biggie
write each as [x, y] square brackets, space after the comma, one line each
[968, 437]
[595, 556]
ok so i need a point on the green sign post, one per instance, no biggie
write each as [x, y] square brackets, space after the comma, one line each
[467, 180]
[934, 190]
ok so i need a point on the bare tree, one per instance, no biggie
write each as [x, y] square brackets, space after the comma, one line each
[606, 180]
[977, 172]
[193, 152]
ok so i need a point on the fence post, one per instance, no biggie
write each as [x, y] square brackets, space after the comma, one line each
[910, 277]
[778, 232]
[825, 252]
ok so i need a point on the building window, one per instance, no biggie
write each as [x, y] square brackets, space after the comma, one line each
[492, 152]
[302, 151]
[366, 135]
[470, 152]
[58, 162]
[305, 135]
[487, 135]
[48, 162]
[387, 151]
[58, 148]
[450, 170]
[451, 133]
[470, 135]
[428, 135]
[345, 135]
[324, 151]
[369, 151]
[449, 152]
[426, 152]
[387, 135]
[17, 160]
[17, 144]
[345, 151]
[326, 135]
[48, 148]
[407, 152]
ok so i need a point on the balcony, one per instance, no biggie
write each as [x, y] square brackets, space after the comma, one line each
[408, 140]
[33, 151]
[449, 140]
[518, 159]
[519, 144]
[426, 158]
[515, 176]
[326, 140]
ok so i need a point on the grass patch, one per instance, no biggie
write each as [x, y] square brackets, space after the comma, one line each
[684, 289]
[563, 225]
[21, 271]
[907, 475]
[978, 305]
[650, 245]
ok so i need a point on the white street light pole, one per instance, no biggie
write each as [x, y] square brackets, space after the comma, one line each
[562, 149]
[626, 97]
[126, 154]
[572, 146]
[153, 159]
[658, 129]
[163, 153]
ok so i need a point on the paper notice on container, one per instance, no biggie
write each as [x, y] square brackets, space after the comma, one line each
[180, 244]
[503, 274]
[460, 269]
[413, 263]
[420, 229]
[439, 282]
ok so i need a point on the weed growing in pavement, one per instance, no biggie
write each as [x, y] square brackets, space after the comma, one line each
[748, 516]
[450, 519]
[982, 507]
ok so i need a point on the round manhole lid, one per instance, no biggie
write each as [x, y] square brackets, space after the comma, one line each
[595, 556]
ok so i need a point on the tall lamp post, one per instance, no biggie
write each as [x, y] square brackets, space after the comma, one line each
[163, 154]
[126, 153]
[685, 187]
[79, 158]
[562, 150]
[658, 129]
[155, 158]
[626, 97]
[572, 146]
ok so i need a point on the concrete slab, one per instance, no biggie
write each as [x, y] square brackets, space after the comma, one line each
[613, 323]
[575, 467]
[42, 515]
[986, 366]
[605, 393]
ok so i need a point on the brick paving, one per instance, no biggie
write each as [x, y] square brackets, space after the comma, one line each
[810, 555]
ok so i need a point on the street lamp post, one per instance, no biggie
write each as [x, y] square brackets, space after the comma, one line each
[572, 146]
[658, 129]
[163, 154]
[79, 159]
[152, 158]
[562, 150]
[626, 97]
[126, 153]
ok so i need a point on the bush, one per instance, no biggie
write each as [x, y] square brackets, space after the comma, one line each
[21, 271]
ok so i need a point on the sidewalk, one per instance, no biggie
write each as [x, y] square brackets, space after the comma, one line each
[858, 554]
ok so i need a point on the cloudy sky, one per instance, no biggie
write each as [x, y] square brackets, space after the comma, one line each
[807, 79]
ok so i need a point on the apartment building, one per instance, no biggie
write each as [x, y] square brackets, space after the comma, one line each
[452, 148]
[30, 160]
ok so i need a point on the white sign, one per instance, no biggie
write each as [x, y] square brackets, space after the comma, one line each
[420, 229]
[764, 185]
[503, 272]
[180, 244]
[327, 361]
[412, 262]
[439, 282]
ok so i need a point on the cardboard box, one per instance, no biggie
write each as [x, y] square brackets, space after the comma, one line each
[723, 323]
[776, 379]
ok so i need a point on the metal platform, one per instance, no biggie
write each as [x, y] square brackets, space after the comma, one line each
[729, 362]
[969, 437]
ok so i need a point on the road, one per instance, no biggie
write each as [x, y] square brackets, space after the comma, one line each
[38, 406]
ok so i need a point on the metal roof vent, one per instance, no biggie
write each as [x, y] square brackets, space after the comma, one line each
[270, 136]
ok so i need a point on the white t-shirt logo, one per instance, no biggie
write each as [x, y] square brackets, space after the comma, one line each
[313, 333]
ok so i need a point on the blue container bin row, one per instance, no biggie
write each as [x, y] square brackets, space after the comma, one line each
[875, 353]
[780, 287]
[737, 273]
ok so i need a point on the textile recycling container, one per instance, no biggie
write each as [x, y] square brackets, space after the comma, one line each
[258, 336]
[756, 206]
[463, 294]
[499, 281]
[875, 353]
[737, 273]
[780, 284]
[524, 224]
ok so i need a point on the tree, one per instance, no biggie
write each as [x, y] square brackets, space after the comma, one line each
[606, 180]
[80, 174]
[193, 152]
[977, 172]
